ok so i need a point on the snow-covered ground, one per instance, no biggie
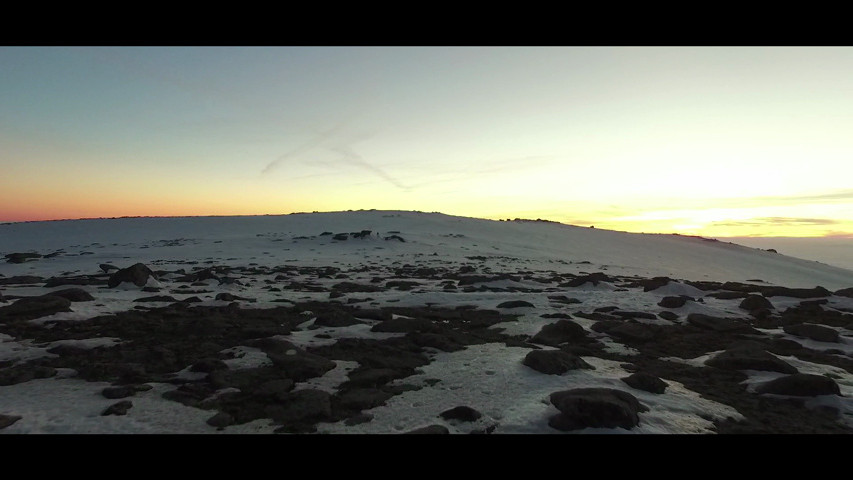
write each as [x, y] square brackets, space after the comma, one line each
[490, 377]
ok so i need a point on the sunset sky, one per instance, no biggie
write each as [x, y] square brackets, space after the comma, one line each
[714, 141]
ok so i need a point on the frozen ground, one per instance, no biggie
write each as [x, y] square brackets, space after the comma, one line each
[295, 263]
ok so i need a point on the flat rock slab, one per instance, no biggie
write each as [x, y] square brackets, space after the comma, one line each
[801, 385]
[743, 358]
[815, 332]
[595, 408]
[554, 362]
[29, 308]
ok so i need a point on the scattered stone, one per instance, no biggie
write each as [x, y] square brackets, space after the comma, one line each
[755, 302]
[515, 304]
[21, 257]
[797, 292]
[137, 274]
[73, 294]
[29, 308]
[800, 385]
[21, 280]
[119, 408]
[673, 302]
[554, 362]
[595, 408]
[221, 420]
[746, 356]
[646, 382]
[461, 413]
[121, 391]
[7, 420]
[563, 299]
[157, 298]
[559, 332]
[594, 278]
[430, 430]
[717, 324]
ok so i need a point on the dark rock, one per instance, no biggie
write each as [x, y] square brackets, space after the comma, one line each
[395, 237]
[627, 314]
[718, 324]
[654, 283]
[295, 362]
[554, 362]
[667, 315]
[24, 373]
[606, 309]
[21, 257]
[137, 274]
[274, 389]
[373, 377]
[340, 236]
[358, 399]
[563, 299]
[634, 332]
[797, 292]
[595, 408]
[221, 420]
[430, 430]
[121, 391]
[594, 278]
[21, 280]
[646, 382]
[107, 268]
[815, 332]
[157, 298]
[435, 340]
[728, 295]
[358, 419]
[73, 294]
[515, 304]
[301, 406]
[119, 408]
[208, 365]
[845, 292]
[461, 413]
[7, 420]
[559, 332]
[755, 302]
[800, 385]
[28, 308]
[673, 302]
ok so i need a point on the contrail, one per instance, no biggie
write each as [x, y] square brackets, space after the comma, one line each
[323, 136]
[356, 159]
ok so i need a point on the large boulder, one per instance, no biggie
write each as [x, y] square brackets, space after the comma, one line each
[813, 331]
[719, 324]
[673, 302]
[138, 274]
[595, 408]
[562, 331]
[28, 308]
[755, 302]
[554, 362]
[73, 294]
[801, 385]
[646, 382]
[749, 356]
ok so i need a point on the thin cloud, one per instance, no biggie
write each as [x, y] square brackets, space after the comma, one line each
[778, 221]
[305, 147]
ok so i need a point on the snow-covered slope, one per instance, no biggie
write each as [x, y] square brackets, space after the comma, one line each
[516, 244]
[337, 297]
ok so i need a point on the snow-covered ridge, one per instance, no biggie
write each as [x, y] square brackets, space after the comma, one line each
[276, 238]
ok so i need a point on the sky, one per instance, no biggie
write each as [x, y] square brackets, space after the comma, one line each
[713, 141]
